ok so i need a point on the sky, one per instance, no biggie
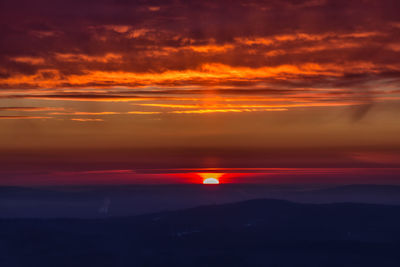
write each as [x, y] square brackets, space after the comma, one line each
[123, 87]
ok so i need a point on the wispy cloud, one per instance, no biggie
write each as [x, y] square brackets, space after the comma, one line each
[86, 113]
[143, 112]
[29, 109]
[85, 119]
[201, 111]
[22, 117]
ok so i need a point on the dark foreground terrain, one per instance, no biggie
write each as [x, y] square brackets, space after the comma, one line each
[250, 233]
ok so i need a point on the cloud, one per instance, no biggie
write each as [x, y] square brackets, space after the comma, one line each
[85, 119]
[208, 74]
[378, 157]
[325, 52]
[86, 113]
[202, 111]
[143, 112]
[29, 60]
[89, 96]
[90, 172]
[73, 113]
[29, 109]
[23, 117]
[247, 106]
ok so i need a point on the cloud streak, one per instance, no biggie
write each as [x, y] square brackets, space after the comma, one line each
[23, 117]
[29, 109]
[86, 119]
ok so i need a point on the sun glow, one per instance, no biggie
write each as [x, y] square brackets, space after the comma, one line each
[211, 181]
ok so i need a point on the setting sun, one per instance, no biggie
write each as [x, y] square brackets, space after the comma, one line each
[211, 181]
[210, 178]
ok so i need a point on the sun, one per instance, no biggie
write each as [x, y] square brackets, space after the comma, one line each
[211, 180]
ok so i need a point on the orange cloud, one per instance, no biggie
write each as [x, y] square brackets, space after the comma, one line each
[109, 57]
[85, 119]
[326, 37]
[209, 106]
[207, 73]
[30, 60]
[143, 112]
[29, 109]
[200, 111]
[23, 117]
[211, 48]
[73, 113]
[86, 113]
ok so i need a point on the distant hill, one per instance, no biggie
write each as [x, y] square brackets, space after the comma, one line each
[363, 193]
[258, 232]
[130, 200]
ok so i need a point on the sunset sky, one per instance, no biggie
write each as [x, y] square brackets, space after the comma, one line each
[132, 91]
